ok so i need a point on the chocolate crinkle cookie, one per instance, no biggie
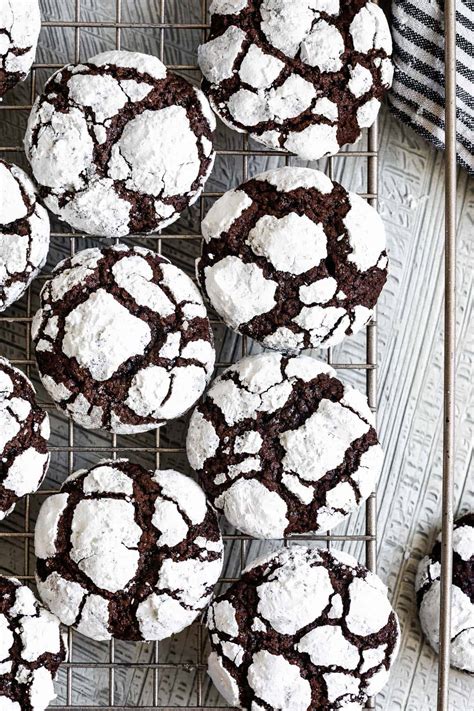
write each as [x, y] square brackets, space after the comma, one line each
[122, 339]
[24, 435]
[31, 649]
[24, 233]
[127, 553]
[119, 145]
[282, 446]
[20, 24]
[293, 260]
[303, 630]
[306, 76]
[428, 590]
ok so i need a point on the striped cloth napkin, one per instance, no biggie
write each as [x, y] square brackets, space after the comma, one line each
[417, 97]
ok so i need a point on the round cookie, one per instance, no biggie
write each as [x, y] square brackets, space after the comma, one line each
[282, 446]
[302, 630]
[127, 553]
[31, 649]
[24, 233]
[293, 260]
[24, 435]
[302, 76]
[119, 145]
[122, 339]
[428, 591]
[20, 24]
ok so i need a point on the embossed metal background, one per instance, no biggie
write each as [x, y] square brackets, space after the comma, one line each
[170, 674]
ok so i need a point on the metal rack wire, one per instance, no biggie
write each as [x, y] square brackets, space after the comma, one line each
[155, 665]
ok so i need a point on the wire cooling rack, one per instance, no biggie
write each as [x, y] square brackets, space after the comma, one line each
[158, 676]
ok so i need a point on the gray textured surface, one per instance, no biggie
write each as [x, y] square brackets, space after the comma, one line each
[410, 373]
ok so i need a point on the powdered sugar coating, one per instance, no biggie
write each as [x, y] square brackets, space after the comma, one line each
[291, 73]
[296, 649]
[278, 682]
[122, 339]
[251, 293]
[31, 649]
[24, 233]
[24, 435]
[273, 467]
[119, 145]
[292, 259]
[137, 560]
[428, 588]
[20, 24]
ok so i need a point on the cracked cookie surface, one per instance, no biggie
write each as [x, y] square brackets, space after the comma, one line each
[24, 234]
[119, 145]
[302, 630]
[428, 591]
[293, 260]
[24, 435]
[20, 24]
[306, 76]
[31, 649]
[127, 553]
[122, 339]
[282, 446]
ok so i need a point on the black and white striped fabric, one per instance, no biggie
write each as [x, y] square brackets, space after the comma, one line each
[417, 97]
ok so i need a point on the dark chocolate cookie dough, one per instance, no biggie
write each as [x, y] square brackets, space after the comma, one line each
[122, 339]
[31, 649]
[428, 590]
[293, 260]
[282, 446]
[24, 435]
[128, 553]
[119, 145]
[303, 630]
[302, 76]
